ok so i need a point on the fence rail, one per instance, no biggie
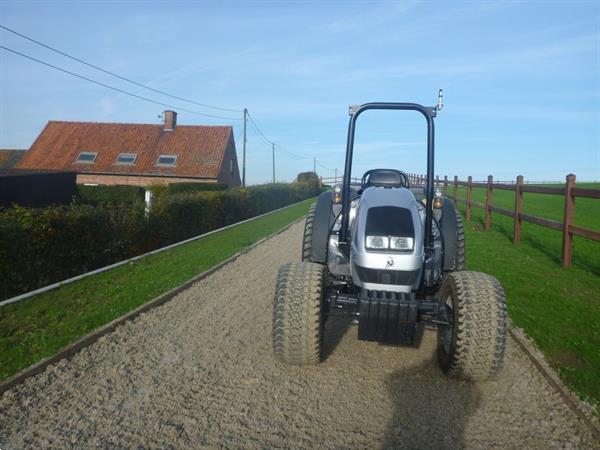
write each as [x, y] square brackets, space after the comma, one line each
[519, 186]
[336, 180]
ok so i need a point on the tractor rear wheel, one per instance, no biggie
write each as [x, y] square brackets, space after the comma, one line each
[308, 231]
[298, 313]
[472, 345]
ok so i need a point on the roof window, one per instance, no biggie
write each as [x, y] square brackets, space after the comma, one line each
[166, 160]
[87, 157]
[126, 159]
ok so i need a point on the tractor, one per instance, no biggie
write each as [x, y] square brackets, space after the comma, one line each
[392, 257]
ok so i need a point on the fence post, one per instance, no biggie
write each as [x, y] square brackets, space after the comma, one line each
[568, 220]
[455, 190]
[469, 196]
[446, 185]
[518, 209]
[488, 203]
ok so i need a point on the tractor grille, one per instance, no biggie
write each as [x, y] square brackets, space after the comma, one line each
[395, 277]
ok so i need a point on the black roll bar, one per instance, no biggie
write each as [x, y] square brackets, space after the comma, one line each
[429, 113]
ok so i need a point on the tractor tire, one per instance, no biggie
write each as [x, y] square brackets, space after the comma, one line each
[298, 313]
[460, 243]
[472, 346]
[307, 237]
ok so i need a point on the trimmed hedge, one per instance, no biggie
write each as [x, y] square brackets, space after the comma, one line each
[98, 195]
[179, 188]
[42, 246]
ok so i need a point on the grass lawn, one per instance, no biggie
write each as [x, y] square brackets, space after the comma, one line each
[38, 327]
[559, 308]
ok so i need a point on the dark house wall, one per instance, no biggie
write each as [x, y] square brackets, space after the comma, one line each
[225, 174]
[36, 189]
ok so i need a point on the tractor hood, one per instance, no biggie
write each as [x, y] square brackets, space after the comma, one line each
[387, 213]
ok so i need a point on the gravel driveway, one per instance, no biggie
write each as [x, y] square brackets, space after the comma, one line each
[198, 372]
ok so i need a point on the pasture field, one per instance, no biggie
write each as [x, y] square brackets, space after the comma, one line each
[38, 327]
[558, 308]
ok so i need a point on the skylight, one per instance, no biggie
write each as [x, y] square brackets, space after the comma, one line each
[166, 160]
[126, 158]
[86, 157]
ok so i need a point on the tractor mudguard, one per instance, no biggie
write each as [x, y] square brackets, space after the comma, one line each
[323, 219]
[448, 225]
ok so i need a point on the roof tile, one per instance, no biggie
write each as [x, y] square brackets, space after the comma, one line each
[199, 149]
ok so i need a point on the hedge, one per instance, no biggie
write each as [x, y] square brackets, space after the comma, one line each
[98, 195]
[178, 188]
[42, 246]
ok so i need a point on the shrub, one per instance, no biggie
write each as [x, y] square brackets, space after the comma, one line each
[179, 188]
[307, 177]
[42, 246]
[98, 195]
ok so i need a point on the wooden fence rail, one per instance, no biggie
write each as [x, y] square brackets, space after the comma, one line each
[569, 191]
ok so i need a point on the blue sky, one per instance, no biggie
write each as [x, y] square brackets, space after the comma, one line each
[521, 79]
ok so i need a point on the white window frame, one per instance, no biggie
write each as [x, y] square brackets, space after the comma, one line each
[126, 163]
[79, 161]
[173, 164]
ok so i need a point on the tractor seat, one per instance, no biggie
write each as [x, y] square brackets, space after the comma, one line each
[387, 178]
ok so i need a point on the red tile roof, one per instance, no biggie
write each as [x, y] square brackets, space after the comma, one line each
[200, 149]
[10, 157]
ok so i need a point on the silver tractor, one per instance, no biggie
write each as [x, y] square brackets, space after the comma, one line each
[392, 256]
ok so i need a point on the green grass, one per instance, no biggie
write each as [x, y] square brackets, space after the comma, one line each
[558, 308]
[38, 327]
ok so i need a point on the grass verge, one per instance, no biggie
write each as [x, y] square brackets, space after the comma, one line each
[38, 327]
[558, 308]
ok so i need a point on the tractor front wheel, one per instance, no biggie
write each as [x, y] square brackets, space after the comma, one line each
[471, 346]
[298, 313]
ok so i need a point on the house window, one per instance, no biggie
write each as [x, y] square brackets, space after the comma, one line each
[166, 160]
[231, 166]
[86, 157]
[126, 159]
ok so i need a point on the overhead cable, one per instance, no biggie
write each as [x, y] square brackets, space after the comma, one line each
[116, 75]
[270, 142]
[324, 167]
[115, 88]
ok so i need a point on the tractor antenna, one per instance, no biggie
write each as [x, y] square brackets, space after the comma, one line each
[440, 103]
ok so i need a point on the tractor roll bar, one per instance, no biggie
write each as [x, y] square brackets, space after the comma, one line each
[429, 113]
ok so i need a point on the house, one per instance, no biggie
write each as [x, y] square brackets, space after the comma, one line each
[10, 157]
[138, 154]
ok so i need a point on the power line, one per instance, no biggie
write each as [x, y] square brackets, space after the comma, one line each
[267, 141]
[324, 167]
[290, 153]
[114, 88]
[116, 75]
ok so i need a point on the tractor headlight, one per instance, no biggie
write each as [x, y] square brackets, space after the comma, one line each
[378, 242]
[401, 243]
[337, 194]
[396, 243]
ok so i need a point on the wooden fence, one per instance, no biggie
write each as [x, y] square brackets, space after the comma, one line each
[569, 191]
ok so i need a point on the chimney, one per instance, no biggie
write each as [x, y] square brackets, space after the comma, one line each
[170, 118]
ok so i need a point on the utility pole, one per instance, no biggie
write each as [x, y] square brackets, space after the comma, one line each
[335, 178]
[273, 162]
[244, 157]
[314, 164]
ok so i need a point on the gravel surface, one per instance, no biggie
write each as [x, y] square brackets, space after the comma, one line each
[198, 372]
